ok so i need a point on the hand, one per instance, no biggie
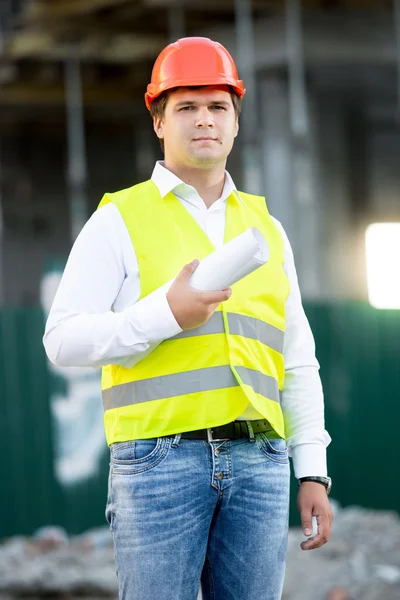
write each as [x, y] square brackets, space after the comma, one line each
[312, 501]
[190, 307]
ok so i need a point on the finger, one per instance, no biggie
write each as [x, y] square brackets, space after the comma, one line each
[216, 297]
[306, 521]
[187, 271]
[324, 531]
[324, 522]
[314, 542]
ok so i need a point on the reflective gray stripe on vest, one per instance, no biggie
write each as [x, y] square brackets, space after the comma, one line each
[214, 325]
[239, 325]
[262, 384]
[188, 382]
[257, 330]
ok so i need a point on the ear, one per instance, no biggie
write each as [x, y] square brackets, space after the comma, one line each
[237, 127]
[158, 127]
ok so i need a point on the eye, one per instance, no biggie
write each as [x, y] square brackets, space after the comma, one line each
[217, 106]
[185, 108]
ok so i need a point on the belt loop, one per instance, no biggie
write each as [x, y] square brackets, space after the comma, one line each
[176, 439]
[251, 432]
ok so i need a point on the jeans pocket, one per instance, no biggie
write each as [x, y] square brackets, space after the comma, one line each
[109, 512]
[274, 448]
[138, 455]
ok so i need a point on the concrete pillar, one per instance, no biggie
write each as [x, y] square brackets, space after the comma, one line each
[336, 250]
[396, 7]
[5, 13]
[2, 290]
[276, 153]
[304, 172]
[249, 135]
[145, 147]
[77, 170]
[176, 21]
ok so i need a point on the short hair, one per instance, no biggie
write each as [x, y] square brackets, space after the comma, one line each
[157, 107]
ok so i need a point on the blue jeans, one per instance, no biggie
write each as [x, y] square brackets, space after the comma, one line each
[183, 511]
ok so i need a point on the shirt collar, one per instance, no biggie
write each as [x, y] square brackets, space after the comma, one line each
[167, 182]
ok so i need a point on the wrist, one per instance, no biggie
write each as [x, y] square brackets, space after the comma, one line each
[325, 481]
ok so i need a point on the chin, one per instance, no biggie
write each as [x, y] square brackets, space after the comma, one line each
[207, 156]
[205, 163]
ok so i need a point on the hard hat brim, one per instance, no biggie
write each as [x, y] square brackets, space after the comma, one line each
[153, 91]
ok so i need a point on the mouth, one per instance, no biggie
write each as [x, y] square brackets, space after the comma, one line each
[204, 139]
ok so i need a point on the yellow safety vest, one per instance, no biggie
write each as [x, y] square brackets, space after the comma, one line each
[206, 376]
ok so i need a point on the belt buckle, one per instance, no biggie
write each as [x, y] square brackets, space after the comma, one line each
[210, 436]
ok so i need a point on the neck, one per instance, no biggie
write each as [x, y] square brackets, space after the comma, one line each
[208, 183]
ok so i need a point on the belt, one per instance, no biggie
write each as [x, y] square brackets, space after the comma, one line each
[229, 431]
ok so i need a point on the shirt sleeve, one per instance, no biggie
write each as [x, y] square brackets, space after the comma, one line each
[302, 396]
[82, 329]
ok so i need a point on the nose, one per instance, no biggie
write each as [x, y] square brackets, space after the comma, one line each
[204, 119]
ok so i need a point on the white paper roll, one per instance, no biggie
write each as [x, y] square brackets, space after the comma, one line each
[227, 265]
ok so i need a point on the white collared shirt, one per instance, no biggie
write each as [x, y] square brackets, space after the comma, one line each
[102, 271]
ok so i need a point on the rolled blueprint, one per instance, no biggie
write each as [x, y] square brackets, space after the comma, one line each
[236, 259]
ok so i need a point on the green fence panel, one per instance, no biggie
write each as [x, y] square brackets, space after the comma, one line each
[358, 350]
[27, 498]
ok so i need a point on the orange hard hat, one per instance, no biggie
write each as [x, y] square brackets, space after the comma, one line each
[193, 61]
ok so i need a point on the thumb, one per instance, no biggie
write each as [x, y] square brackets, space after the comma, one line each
[306, 522]
[188, 270]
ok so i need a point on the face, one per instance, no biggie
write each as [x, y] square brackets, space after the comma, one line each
[198, 126]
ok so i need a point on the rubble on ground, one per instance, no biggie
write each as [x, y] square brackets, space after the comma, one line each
[360, 562]
[362, 559]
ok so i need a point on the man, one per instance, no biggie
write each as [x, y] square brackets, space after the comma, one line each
[195, 409]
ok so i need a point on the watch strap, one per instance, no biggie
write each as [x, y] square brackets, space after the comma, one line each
[325, 481]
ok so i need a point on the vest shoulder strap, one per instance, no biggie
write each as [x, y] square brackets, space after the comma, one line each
[121, 197]
[252, 199]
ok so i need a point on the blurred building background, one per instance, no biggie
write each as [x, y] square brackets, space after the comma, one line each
[319, 133]
[320, 138]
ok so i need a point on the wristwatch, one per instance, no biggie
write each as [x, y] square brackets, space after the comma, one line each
[325, 481]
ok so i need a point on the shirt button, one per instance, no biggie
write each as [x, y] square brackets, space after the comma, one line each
[220, 475]
[217, 451]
